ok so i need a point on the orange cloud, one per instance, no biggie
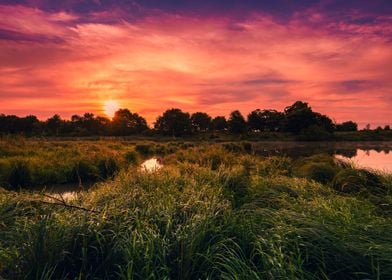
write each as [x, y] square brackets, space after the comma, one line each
[56, 62]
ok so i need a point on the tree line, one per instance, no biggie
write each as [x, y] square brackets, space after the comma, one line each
[298, 119]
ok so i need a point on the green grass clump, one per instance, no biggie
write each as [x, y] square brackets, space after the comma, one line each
[131, 157]
[356, 180]
[144, 149]
[321, 168]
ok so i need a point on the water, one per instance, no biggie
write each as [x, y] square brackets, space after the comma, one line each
[65, 197]
[151, 165]
[381, 161]
[371, 155]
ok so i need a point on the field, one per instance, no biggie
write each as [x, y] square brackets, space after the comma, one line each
[214, 211]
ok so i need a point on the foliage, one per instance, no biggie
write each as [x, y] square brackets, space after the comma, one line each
[314, 133]
[298, 120]
[236, 123]
[265, 120]
[201, 122]
[173, 122]
[347, 126]
[300, 116]
[219, 123]
[126, 123]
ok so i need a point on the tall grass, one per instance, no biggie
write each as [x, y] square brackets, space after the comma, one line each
[208, 214]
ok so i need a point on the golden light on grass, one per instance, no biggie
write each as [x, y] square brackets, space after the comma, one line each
[110, 107]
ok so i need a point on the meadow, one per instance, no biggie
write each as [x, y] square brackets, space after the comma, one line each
[214, 211]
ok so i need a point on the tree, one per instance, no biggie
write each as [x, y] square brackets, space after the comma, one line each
[201, 122]
[265, 120]
[173, 122]
[126, 123]
[255, 120]
[29, 124]
[54, 125]
[324, 122]
[219, 123]
[387, 127]
[236, 123]
[300, 116]
[347, 126]
[103, 125]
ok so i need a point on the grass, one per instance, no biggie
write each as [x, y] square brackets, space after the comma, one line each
[213, 212]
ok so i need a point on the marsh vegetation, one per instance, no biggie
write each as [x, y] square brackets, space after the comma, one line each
[213, 211]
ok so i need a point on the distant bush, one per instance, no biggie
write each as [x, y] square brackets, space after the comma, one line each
[314, 133]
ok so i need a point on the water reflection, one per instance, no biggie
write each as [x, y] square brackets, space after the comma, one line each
[65, 196]
[373, 159]
[375, 155]
[151, 165]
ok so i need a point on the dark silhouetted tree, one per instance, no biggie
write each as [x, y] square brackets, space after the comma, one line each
[126, 123]
[54, 125]
[236, 123]
[255, 120]
[347, 126]
[387, 127]
[265, 120]
[200, 121]
[219, 123]
[300, 116]
[15, 125]
[173, 122]
[324, 122]
[102, 125]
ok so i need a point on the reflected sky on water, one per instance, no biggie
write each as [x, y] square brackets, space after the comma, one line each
[378, 160]
[373, 155]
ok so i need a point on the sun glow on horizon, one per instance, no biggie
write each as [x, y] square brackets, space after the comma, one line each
[110, 107]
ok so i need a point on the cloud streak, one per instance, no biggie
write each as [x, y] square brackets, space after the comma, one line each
[49, 58]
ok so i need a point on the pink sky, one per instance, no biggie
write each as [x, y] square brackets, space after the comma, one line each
[68, 63]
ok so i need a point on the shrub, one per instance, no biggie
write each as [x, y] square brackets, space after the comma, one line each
[144, 149]
[131, 157]
[247, 147]
[314, 133]
[83, 171]
[108, 167]
[20, 174]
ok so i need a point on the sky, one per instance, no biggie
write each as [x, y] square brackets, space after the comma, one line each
[71, 57]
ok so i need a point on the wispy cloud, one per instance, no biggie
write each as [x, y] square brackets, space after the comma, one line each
[52, 59]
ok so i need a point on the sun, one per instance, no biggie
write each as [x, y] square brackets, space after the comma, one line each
[110, 107]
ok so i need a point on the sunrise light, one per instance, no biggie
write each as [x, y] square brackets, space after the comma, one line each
[110, 107]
